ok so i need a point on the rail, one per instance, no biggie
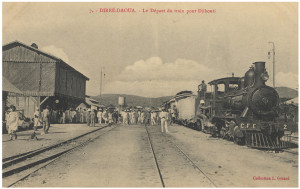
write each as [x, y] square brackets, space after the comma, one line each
[16, 165]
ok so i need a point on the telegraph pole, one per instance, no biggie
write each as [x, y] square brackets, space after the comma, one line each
[273, 50]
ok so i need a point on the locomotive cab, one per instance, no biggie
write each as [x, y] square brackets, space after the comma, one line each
[220, 89]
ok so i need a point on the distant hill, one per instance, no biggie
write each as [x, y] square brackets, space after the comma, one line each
[286, 93]
[131, 100]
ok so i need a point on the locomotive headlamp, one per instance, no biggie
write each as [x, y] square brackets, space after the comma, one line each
[265, 76]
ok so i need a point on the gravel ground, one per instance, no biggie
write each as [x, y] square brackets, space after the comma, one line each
[231, 165]
[123, 158]
[120, 158]
[176, 169]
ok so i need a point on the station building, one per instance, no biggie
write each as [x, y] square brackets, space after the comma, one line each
[42, 78]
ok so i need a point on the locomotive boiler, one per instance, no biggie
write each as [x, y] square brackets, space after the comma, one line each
[254, 97]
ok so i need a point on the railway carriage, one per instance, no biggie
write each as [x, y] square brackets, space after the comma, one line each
[185, 103]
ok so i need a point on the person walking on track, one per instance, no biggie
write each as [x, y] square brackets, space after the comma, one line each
[164, 116]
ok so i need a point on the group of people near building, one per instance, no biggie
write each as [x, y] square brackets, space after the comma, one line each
[126, 117]
[106, 116]
[69, 116]
[90, 117]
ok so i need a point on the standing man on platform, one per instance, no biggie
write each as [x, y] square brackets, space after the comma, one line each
[164, 116]
[99, 116]
[88, 117]
[93, 117]
[81, 116]
[46, 120]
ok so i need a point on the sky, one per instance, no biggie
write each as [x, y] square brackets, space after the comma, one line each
[155, 54]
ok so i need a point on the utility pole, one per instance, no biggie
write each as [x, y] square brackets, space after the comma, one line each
[273, 50]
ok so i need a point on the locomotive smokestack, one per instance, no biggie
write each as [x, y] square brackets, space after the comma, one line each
[260, 69]
[259, 66]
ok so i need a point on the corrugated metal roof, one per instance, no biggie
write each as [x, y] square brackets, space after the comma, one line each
[15, 43]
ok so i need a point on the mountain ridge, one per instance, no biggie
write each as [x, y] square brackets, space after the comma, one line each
[285, 93]
[131, 100]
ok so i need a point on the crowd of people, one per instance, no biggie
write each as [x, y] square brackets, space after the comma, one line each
[161, 117]
[129, 117]
[90, 116]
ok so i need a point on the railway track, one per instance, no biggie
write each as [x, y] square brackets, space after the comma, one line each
[155, 158]
[19, 167]
[166, 165]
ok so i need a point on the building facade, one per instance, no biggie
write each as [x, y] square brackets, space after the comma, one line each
[43, 79]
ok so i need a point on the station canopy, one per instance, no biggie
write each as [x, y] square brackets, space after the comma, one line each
[8, 87]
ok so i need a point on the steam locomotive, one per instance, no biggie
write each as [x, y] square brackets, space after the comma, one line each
[242, 109]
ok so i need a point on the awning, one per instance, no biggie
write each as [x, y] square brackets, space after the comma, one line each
[8, 87]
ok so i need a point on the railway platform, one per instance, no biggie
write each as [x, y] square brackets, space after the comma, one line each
[57, 133]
